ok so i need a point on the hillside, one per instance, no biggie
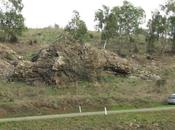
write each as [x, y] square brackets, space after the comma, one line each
[136, 81]
[64, 76]
[148, 85]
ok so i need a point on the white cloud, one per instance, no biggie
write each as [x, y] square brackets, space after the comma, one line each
[42, 13]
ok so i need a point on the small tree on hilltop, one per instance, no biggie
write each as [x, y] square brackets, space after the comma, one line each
[77, 28]
[11, 19]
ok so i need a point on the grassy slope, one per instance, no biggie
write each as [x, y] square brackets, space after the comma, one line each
[19, 99]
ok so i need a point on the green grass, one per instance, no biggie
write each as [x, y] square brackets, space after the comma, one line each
[47, 36]
[141, 121]
[40, 36]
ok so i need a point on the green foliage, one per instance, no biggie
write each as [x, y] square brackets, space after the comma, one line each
[105, 22]
[161, 28]
[11, 20]
[129, 18]
[169, 8]
[156, 30]
[120, 21]
[77, 28]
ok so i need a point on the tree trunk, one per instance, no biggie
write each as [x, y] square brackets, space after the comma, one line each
[173, 44]
[105, 44]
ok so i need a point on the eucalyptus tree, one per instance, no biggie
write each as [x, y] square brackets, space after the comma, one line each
[129, 18]
[11, 19]
[77, 27]
[169, 8]
[119, 21]
[157, 30]
[106, 24]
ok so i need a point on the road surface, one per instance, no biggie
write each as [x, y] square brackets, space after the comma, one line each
[3, 120]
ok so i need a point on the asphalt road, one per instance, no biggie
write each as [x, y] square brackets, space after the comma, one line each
[45, 117]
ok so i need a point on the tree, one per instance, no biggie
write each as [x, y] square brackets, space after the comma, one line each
[121, 20]
[56, 26]
[106, 24]
[77, 27]
[157, 28]
[129, 18]
[169, 8]
[11, 19]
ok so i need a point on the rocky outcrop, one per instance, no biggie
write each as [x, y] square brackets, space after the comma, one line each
[63, 63]
[8, 60]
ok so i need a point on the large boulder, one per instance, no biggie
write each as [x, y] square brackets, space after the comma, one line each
[8, 60]
[63, 63]
[5, 69]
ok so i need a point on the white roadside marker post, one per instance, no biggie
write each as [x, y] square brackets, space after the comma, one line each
[80, 109]
[106, 112]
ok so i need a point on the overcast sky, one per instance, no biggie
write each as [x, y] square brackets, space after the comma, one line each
[42, 13]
